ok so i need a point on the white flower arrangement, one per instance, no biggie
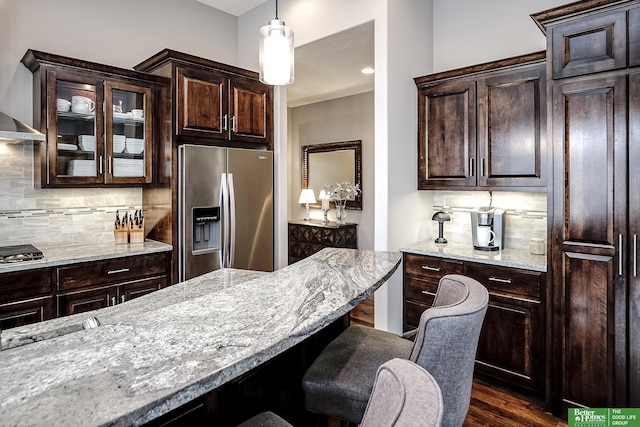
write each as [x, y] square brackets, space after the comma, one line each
[342, 191]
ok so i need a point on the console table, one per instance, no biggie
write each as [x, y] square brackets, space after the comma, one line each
[308, 237]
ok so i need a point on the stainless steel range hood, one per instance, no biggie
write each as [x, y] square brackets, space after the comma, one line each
[12, 130]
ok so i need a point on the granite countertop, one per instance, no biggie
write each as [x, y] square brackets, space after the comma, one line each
[154, 353]
[506, 258]
[56, 255]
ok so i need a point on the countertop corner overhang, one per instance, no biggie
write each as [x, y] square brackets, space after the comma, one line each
[154, 353]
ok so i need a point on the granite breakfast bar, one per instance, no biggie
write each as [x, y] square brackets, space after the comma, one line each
[158, 352]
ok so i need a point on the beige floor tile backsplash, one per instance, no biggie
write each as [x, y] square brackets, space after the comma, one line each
[525, 214]
[55, 215]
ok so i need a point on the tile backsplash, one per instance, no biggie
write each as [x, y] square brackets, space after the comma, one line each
[525, 215]
[54, 215]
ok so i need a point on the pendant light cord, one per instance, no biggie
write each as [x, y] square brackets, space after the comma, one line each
[276, 9]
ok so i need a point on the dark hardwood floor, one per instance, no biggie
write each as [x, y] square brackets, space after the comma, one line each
[497, 407]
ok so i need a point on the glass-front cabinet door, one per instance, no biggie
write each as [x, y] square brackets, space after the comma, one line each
[74, 125]
[128, 133]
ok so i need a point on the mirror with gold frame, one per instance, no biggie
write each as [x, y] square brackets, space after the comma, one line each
[332, 163]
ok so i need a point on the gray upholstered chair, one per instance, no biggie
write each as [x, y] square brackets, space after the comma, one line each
[404, 394]
[340, 380]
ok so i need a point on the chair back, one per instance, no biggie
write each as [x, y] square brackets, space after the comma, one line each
[404, 394]
[447, 341]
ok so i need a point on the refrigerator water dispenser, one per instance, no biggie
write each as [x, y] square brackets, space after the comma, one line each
[206, 228]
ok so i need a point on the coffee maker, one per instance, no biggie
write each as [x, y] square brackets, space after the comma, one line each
[487, 221]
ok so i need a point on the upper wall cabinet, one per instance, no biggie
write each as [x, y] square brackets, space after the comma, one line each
[99, 122]
[484, 126]
[215, 101]
[608, 39]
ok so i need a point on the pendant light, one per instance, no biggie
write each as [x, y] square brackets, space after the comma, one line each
[276, 53]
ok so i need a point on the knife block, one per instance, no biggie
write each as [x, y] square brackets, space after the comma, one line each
[136, 235]
[121, 236]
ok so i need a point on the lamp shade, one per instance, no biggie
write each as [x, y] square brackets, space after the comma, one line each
[307, 196]
[276, 53]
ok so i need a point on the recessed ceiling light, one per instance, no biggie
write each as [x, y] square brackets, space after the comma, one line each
[367, 70]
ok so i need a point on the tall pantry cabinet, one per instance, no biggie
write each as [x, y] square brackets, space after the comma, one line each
[595, 109]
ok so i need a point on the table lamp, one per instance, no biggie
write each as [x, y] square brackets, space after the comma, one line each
[307, 196]
[441, 217]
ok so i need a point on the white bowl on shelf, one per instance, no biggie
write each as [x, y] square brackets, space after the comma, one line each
[118, 146]
[134, 145]
[87, 145]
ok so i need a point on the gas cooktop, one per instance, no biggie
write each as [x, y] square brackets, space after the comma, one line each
[19, 253]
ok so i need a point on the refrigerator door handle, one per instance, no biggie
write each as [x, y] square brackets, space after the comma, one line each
[232, 220]
[224, 205]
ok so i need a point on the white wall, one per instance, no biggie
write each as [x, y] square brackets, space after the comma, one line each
[469, 32]
[350, 118]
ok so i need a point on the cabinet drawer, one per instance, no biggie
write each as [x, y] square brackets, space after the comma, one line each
[506, 280]
[22, 285]
[412, 313]
[422, 291]
[26, 312]
[111, 271]
[589, 46]
[430, 267]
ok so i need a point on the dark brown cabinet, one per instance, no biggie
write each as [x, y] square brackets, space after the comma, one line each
[93, 285]
[598, 43]
[308, 237]
[634, 233]
[216, 101]
[593, 245]
[25, 297]
[483, 126]
[590, 281]
[512, 342]
[99, 122]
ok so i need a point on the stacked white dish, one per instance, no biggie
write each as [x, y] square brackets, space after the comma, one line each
[119, 142]
[128, 167]
[81, 168]
[87, 142]
[134, 145]
[67, 147]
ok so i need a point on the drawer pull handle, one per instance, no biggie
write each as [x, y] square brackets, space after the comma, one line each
[122, 270]
[426, 267]
[122, 298]
[429, 293]
[113, 301]
[497, 279]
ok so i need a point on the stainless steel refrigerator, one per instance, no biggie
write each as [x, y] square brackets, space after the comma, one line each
[225, 198]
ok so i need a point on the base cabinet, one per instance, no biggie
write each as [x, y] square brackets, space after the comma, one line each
[32, 296]
[512, 341]
[25, 297]
[94, 285]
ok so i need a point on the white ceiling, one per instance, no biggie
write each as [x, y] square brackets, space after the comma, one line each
[325, 69]
[233, 7]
